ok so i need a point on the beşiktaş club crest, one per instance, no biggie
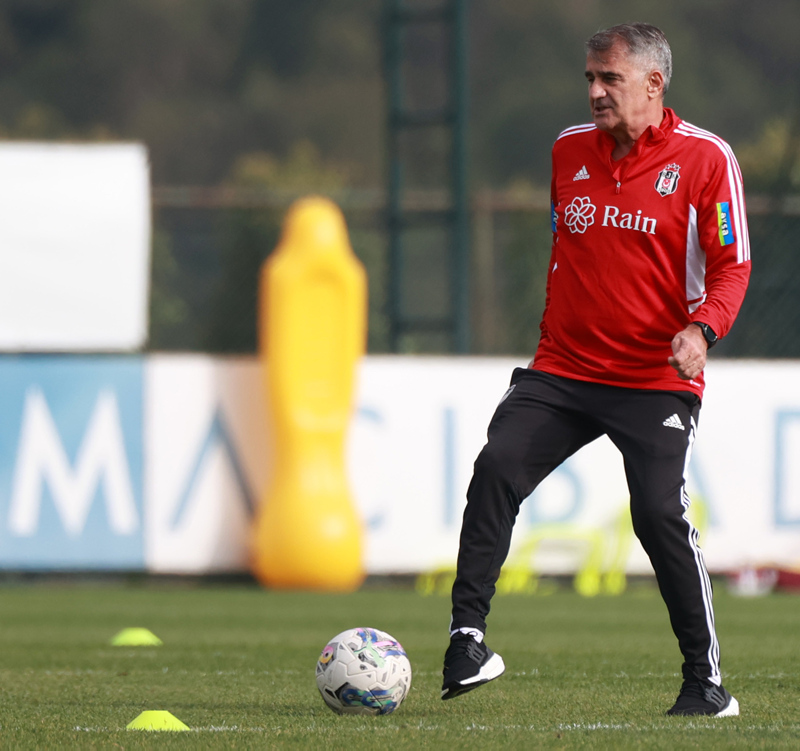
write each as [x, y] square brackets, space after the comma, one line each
[667, 182]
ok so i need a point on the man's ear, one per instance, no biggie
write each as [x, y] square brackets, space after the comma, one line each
[655, 84]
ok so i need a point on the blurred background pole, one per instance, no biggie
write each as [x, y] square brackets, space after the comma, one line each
[393, 55]
[459, 104]
[408, 327]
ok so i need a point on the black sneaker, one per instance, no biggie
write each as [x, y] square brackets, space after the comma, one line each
[467, 665]
[697, 698]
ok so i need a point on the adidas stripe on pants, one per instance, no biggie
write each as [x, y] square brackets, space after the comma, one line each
[542, 421]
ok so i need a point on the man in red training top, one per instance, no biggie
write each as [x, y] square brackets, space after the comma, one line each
[649, 267]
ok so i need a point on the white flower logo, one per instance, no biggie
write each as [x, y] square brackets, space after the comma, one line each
[579, 215]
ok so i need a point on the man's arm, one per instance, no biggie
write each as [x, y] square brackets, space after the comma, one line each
[723, 235]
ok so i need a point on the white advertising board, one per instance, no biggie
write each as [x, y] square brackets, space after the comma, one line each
[206, 462]
[424, 420]
[159, 464]
[748, 451]
[74, 247]
[417, 428]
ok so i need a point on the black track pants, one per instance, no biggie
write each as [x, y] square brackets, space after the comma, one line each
[543, 420]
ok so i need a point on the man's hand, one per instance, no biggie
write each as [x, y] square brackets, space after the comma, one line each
[689, 352]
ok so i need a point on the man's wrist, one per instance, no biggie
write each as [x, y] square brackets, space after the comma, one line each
[708, 333]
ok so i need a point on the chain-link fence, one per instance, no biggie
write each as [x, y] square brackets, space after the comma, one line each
[208, 247]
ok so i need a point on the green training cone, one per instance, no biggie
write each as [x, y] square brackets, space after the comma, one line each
[136, 637]
[157, 720]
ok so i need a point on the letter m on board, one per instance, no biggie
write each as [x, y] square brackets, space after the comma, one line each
[100, 461]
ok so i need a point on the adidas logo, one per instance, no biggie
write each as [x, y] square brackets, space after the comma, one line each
[674, 422]
[582, 174]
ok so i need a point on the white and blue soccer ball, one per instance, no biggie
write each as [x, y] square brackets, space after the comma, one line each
[363, 671]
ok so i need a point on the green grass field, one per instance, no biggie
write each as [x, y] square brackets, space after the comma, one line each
[237, 666]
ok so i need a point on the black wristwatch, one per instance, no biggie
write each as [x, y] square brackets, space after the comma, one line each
[708, 333]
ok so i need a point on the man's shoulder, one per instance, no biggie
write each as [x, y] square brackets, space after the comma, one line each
[576, 137]
[577, 130]
[703, 139]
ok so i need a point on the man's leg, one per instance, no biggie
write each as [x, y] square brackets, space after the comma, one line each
[655, 432]
[534, 429]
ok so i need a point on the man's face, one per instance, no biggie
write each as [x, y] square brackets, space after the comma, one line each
[619, 92]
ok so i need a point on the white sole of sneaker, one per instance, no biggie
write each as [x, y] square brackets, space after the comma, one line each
[732, 710]
[494, 668]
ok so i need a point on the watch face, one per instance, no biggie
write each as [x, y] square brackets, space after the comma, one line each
[708, 333]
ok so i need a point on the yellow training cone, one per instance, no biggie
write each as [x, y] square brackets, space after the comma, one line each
[136, 637]
[312, 332]
[157, 720]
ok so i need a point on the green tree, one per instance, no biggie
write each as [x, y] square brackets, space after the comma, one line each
[245, 238]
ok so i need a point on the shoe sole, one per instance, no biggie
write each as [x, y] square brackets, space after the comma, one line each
[493, 668]
[732, 710]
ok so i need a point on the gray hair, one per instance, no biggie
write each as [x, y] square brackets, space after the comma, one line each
[644, 41]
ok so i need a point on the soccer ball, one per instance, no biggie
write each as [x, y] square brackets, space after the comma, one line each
[363, 671]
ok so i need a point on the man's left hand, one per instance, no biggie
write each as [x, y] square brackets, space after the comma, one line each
[689, 349]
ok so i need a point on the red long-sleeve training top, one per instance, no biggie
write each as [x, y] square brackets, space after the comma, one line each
[641, 247]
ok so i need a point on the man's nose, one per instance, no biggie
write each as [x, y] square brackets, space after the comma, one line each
[596, 90]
